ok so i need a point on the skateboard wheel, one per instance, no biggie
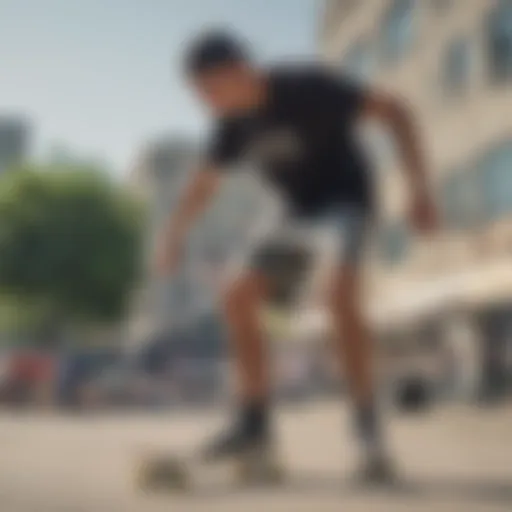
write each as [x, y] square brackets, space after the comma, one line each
[162, 474]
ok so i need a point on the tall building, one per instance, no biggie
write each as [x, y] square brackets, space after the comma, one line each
[14, 140]
[452, 61]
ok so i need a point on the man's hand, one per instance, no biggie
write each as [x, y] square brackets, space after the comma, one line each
[395, 115]
[167, 256]
[423, 213]
[170, 245]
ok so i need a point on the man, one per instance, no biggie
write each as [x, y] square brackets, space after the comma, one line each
[298, 124]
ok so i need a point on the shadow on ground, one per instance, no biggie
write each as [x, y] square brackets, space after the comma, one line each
[491, 492]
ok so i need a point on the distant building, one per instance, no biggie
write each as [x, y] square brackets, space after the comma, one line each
[14, 141]
[453, 61]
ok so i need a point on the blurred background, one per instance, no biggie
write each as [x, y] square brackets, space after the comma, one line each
[88, 177]
[98, 132]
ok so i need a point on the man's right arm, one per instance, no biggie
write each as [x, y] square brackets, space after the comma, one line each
[222, 152]
[197, 196]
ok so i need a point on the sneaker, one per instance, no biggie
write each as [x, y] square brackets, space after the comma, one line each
[377, 470]
[233, 443]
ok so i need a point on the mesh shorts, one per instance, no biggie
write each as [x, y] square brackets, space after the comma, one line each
[288, 250]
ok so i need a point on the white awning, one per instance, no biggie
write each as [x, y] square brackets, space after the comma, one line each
[411, 301]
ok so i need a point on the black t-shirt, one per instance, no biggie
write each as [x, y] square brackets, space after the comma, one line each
[303, 139]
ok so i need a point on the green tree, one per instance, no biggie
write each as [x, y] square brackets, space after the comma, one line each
[70, 241]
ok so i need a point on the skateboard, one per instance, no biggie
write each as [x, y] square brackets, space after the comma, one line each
[159, 472]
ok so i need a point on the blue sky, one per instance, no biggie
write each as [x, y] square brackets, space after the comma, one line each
[101, 76]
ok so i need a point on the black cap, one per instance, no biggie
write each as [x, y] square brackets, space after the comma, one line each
[213, 49]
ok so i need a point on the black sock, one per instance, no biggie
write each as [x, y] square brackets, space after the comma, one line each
[368, 425]
[255, 418]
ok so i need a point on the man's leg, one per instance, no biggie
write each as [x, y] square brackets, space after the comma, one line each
[241, 304]
[354, 341]
[355, 352]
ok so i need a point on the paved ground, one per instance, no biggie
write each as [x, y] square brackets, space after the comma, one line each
[454, 459]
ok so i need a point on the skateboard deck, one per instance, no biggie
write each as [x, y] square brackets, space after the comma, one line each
[160, 472]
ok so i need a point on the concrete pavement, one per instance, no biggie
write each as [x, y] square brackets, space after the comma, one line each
[452, 459]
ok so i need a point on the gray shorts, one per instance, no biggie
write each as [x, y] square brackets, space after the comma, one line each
[288, 250]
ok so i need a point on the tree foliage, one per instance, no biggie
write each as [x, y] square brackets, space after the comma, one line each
[70, 239]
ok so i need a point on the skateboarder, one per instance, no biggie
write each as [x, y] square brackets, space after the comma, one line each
[297, 124]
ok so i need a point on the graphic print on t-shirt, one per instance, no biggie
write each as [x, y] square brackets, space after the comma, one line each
[275, 147]
[302, 139]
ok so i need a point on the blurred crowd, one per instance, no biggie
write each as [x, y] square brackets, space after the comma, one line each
[416, 368]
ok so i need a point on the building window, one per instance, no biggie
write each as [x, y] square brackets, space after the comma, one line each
[500, 42]
[398, 30]
[461, 199]
[358, 61]
[456, 67]
[483, 193]
[496, 181]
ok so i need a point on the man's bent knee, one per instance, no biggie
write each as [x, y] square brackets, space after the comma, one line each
[345, 289]
[246, 290]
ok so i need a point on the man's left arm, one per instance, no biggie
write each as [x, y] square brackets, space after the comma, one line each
[396, 116]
